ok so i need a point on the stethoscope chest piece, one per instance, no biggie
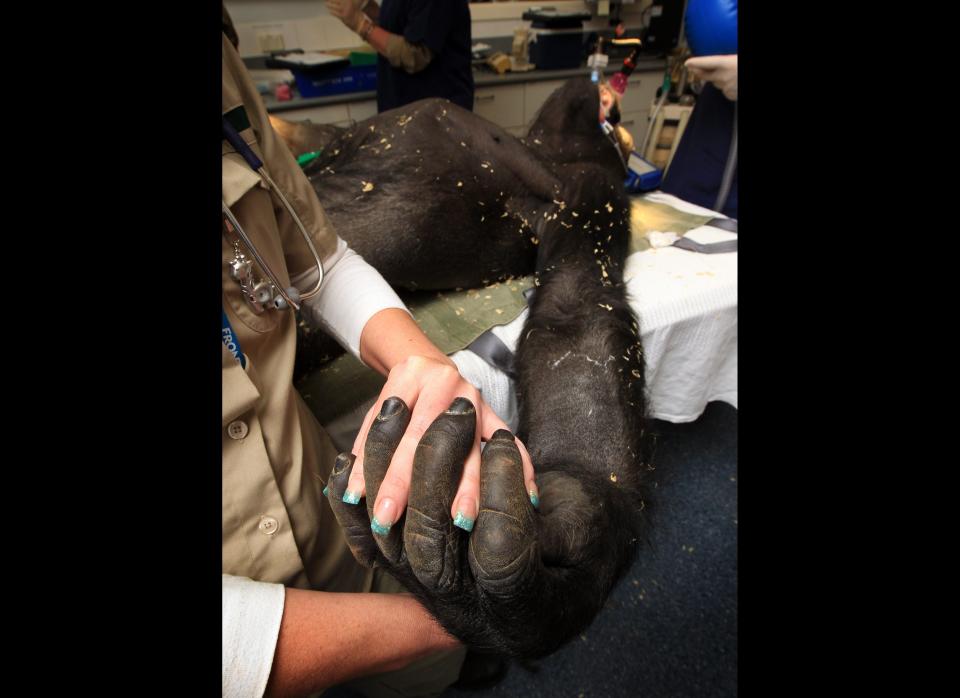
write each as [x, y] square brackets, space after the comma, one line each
[263, 294]
[259, 295]
[241, 271]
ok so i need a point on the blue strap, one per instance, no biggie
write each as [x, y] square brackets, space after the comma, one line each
[728, 224]
[491, 349]
[230, 340]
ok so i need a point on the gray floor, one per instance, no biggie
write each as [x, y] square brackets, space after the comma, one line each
[670, 627]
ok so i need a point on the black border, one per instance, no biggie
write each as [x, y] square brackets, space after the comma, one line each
[127, 199]
[121, 527]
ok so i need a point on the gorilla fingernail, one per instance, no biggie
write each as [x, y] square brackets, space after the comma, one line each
[502, 435]
[391, 406]
[462, 521]
[351, 497]
[344, 461]
[460, 406]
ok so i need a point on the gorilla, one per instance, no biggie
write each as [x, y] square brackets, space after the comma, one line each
[436, 197]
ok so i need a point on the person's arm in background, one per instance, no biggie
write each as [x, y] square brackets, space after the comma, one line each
[360, 16]
[720, 70]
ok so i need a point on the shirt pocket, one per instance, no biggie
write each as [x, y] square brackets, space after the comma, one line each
[236, 176]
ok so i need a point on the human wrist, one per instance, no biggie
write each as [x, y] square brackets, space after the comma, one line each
[391, 336]
[364, 26]
[421, 363]
[435, 636]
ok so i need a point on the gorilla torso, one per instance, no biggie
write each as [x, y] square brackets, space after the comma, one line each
[436, 197]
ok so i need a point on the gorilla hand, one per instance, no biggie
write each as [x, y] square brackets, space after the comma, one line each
[525, 580]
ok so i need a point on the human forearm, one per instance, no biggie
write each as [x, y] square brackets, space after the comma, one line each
[399, 52]
[392, 336]
[326, 638]
[352, 292]
[362, 19]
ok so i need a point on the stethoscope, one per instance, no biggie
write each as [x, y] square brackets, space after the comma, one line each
[263, 294]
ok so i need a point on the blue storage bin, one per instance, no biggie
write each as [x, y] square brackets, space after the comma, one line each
[354, 78]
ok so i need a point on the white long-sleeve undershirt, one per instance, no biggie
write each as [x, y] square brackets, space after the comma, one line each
[351, 293]
[250, 623]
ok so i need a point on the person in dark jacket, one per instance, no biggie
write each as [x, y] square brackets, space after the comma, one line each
[424, 47]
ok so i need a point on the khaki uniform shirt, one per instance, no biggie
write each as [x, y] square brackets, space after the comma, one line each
[277, 525]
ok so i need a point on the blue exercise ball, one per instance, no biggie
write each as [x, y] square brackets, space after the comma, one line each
[711, 27]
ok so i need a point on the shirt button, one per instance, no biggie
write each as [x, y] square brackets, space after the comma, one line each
[237, 430]
[268, 525]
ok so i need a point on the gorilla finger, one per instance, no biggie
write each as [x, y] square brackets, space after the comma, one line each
[504, 553]
[352, 519]
[384, 436]
[431, 540]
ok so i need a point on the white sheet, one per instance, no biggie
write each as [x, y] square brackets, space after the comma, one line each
[687, 306]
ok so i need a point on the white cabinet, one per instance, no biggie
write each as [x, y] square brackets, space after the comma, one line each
[503, 105]
[512, 106]
[362, 110]
[336, 114]
[635, 105]
[534, 95]
[641, 90]
[345, 115]
[636, 123]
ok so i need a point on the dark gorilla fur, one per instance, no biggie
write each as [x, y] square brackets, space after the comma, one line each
[580, 365]
[456, 200]
[580, 387]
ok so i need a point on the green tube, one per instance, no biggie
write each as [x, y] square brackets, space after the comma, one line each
[307, 158]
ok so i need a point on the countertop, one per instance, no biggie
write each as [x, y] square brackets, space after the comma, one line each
[481, 78]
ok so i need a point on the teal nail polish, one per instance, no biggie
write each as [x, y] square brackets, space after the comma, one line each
[534, 500]
[464, 522]
[378, 527]
[351, 497]
[326, 490]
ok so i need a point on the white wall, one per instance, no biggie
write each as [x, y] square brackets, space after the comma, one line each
[306, 24]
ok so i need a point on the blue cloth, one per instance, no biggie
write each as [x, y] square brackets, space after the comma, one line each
[697, 167]
[443, 26]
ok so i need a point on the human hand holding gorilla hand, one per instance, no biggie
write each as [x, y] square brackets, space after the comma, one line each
[525, 580]
[426, 385]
